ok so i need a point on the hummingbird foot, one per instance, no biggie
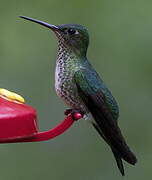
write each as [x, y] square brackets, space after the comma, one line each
[76, 114]
[67, 111]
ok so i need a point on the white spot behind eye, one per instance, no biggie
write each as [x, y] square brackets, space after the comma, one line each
[76, 32]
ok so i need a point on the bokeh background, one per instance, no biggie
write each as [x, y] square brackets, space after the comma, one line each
[120, 50]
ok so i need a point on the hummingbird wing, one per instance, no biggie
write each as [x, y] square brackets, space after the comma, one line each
[91, 91]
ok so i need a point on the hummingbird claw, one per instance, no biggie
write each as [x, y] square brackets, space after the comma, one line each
[76, 114]
[67, 111]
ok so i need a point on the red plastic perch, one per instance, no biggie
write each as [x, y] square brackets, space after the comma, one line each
[18, 123]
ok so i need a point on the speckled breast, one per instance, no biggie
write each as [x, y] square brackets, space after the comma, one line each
[66, 66]
[64, 85]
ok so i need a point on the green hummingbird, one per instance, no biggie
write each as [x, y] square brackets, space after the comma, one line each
[82, 89]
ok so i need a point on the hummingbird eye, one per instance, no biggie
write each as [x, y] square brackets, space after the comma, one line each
[72, 31]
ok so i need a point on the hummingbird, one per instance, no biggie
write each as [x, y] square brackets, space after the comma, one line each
[82, 89]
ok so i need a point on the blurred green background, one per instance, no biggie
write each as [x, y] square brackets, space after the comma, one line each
[120, 50]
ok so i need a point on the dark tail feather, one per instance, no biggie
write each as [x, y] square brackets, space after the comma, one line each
[119, 162]
[115, 153]
[114, 138]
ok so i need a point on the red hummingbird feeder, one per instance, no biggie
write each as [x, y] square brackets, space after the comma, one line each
[18, 121]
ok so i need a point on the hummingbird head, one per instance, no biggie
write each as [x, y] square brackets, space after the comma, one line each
[73, 36]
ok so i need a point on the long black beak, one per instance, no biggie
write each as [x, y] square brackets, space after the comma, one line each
[50, 26]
